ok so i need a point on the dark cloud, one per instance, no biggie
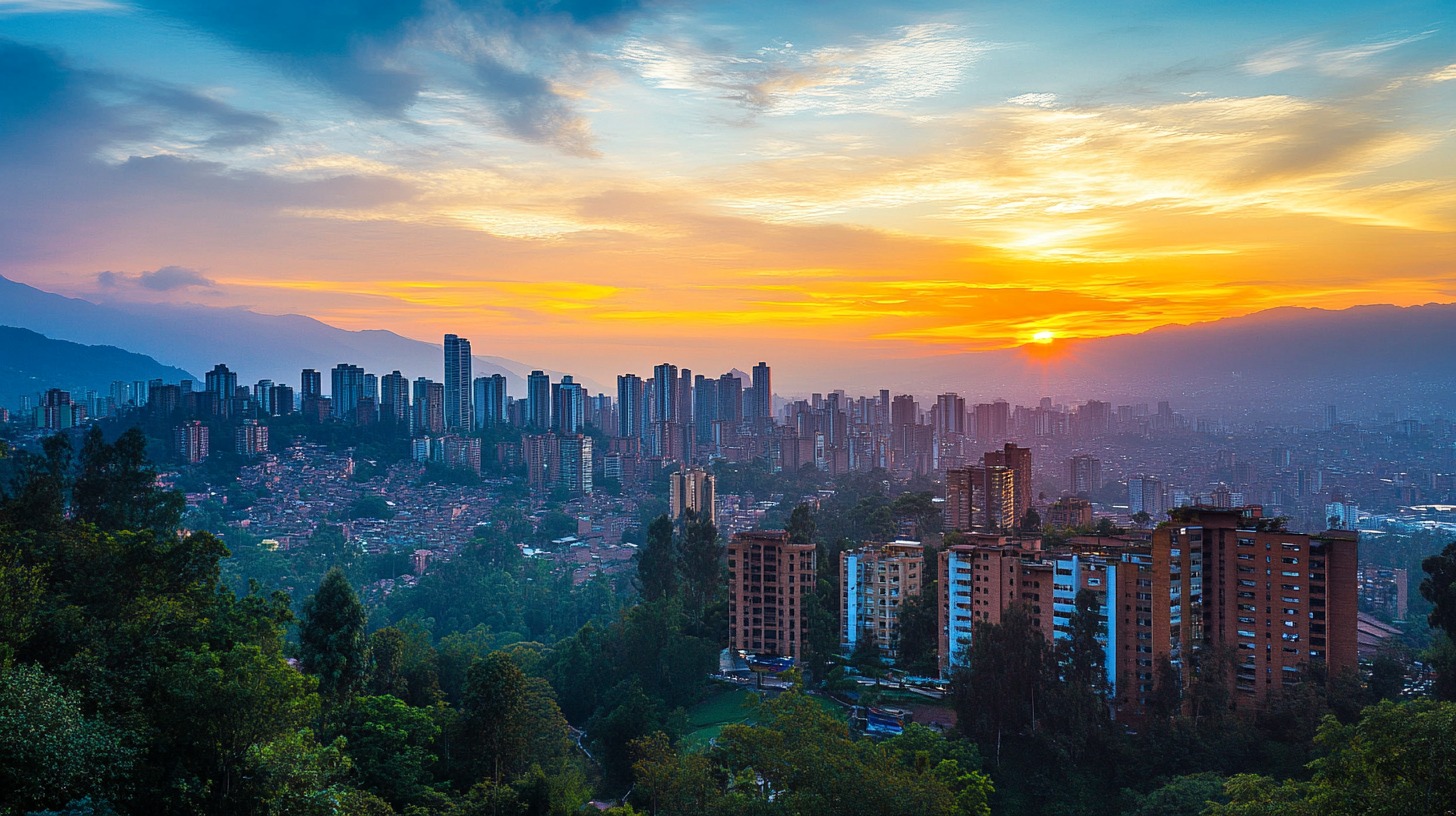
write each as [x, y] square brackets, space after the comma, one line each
[55, 123]
[356, 49]
[527, 106]
[173, 277]
[165, 279]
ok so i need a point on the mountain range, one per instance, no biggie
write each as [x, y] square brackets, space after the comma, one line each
[31, 363]
[254, 345]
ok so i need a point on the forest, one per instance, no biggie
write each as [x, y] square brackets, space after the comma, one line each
[135, 679]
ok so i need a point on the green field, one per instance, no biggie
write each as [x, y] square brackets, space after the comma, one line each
[706, 719]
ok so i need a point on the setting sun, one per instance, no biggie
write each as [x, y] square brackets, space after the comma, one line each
[1043, 336]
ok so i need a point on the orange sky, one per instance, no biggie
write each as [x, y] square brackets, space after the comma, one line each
[901, 183]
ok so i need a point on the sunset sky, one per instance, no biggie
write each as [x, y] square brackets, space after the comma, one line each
[599, 186]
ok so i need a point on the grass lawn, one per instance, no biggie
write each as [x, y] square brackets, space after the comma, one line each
[706, 719]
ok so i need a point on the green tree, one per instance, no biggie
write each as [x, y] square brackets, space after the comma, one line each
[1001, 688]
[331, 638]
[116, 489]
[657, 562]
[390, 745]
[701, 560]
[51, 752]
[1439, 587]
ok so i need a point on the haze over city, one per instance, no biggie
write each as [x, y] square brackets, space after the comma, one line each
[580, 185]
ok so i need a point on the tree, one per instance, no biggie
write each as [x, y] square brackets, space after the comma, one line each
[1031, 522]
[657, 562]
[1142, 518]
[390, 745]
[701, 559]
[1000, 690]
[115, 489]
[1439, 587]
[50, 751]
[331, 638]
[491, 729]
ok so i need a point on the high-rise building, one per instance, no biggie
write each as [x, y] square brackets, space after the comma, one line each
[631, 421]
[1145, 494]
[993, 422]
[1018, 460]
[222, 385]
[429, 406]
[538, 400]
[692, 489]
[55, 411]
[348, 389]
[1084, 474]
[664, 396]
[263, 396]
[570, 405]
[768, 578]
[394, 399]
[310, 384]
[1277, 600]
[574, 471]
[457, 383]
[250, 438]
[190, 440]
[282, 400]
[730, 399]
[705, 408]
[490, 401]
[875, 581]
[763, 407]
[979, 581]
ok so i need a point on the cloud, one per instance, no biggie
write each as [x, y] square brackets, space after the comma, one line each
[55, 6]
[883, 74]
[1341, 61]
[165, 279]
[385, 54]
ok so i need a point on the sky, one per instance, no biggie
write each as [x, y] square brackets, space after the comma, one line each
[596, 187]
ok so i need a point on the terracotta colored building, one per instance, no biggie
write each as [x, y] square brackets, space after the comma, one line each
[767, 580]
[875, 580]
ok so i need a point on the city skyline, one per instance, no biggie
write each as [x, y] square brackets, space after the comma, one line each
[579, 186]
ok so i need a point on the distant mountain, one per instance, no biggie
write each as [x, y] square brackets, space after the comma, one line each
[1386, 355]
[31, 362]
[255, 346]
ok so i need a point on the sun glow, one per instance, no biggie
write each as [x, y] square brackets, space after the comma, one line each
[1044, 336]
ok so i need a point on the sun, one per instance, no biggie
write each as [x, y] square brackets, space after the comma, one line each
[1044, 336]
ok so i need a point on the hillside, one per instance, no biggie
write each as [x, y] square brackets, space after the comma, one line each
[31, 362]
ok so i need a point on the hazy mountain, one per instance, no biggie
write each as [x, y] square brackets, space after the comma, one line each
[254, 345]
[31, 362]
[1385, 355]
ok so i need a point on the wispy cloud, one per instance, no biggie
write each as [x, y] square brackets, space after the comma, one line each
[882, 74]
[1357, 59]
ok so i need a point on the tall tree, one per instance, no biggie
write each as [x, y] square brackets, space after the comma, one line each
[116, 489]
[331, 638]
[657, 562]
[1439, 587]
[1001, 690]
[701, 562]
[491, 729]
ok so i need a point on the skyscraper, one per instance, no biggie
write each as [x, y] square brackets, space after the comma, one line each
[692, 489]
[762, 394]
[310, 384]
[1084, 474]
[348, 389]
[664, 397]
[222, 385]
[429, 399]
[394, 398]
[538, 400]
[1017, 459]
[490, 401]
[570, 406]
[730, 399]
[630, 419]
[457, 383]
